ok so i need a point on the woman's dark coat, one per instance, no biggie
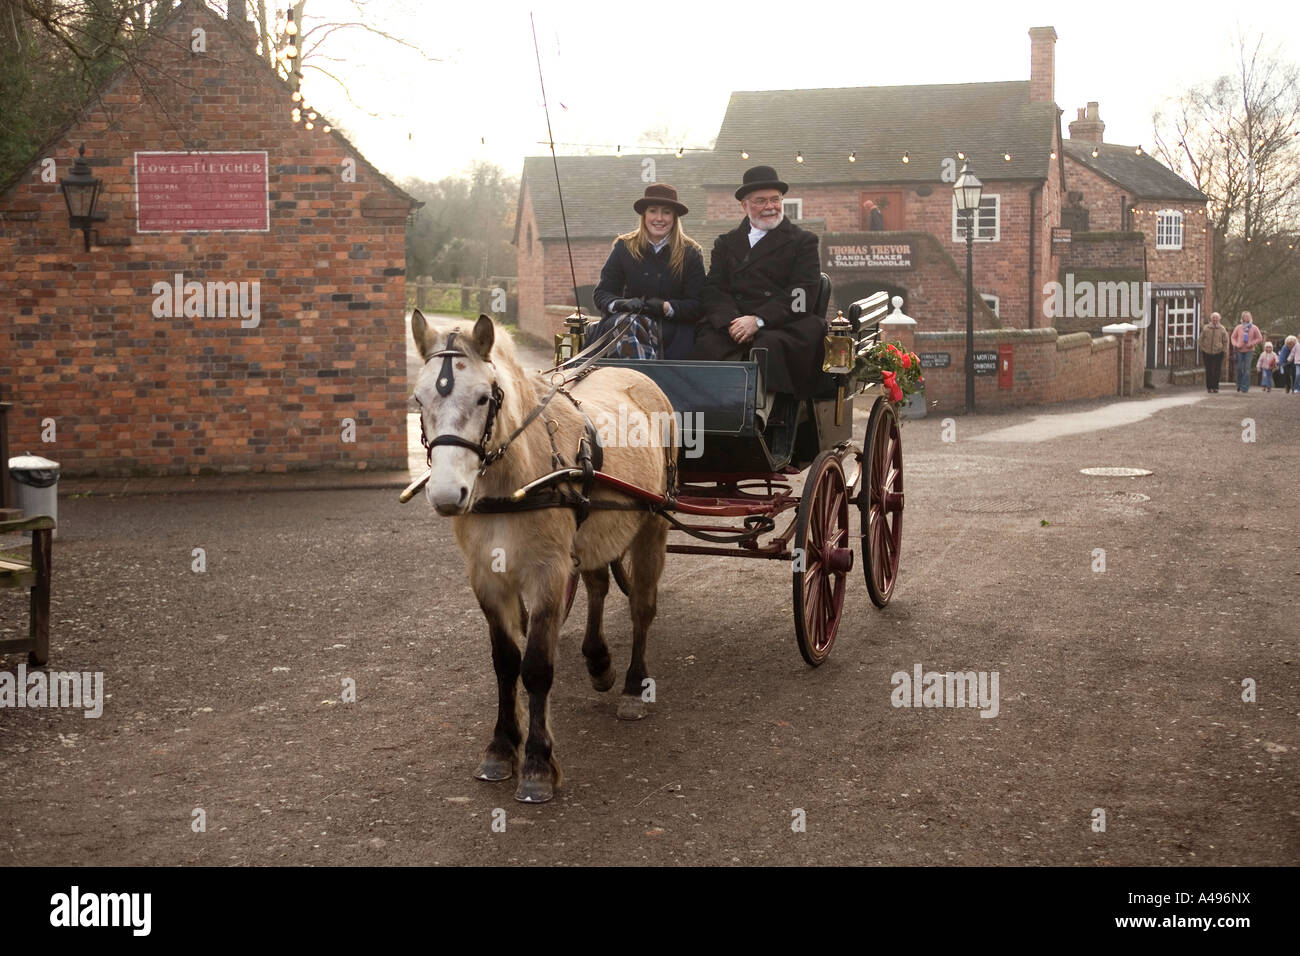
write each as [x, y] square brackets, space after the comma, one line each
[624, 277]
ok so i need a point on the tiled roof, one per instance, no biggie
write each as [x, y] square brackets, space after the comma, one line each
[599, 191]
[880, 123]
[1144, 176]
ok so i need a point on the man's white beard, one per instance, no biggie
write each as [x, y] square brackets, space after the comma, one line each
[769, 224]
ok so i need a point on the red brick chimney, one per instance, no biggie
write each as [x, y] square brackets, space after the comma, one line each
[1042, 65]
[1088, 127]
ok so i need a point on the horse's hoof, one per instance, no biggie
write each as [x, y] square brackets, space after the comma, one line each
[534, 791]
[631, 707]
[605, 681]
[494, 769]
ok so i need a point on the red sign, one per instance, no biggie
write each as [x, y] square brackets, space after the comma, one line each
[1006, 355]
[202, 192]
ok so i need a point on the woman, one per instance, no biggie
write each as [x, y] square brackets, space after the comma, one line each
[654, 277]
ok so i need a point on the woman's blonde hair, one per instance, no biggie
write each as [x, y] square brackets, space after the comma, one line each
[638, 242]
[1291, 340]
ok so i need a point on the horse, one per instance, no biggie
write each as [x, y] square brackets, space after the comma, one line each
[476, 402]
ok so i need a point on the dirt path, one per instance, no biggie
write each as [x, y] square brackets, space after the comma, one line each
[1119, 690]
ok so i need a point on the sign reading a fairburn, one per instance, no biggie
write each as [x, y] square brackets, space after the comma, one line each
[202, 192]
[870, 254]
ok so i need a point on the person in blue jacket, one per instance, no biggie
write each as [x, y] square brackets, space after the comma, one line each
[652, 282]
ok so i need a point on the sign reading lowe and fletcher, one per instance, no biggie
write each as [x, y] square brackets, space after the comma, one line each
[202, 192]
[869, 254]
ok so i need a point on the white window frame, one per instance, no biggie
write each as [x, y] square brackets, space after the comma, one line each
[1169, 229]
[798, 208]
[987, 202]
[990, 300]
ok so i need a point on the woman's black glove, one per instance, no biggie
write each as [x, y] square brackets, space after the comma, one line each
[655, 307]
[634, 306]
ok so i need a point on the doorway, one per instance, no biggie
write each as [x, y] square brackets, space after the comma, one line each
[891, 206]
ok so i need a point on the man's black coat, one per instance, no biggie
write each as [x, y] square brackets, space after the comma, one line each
[777, 281]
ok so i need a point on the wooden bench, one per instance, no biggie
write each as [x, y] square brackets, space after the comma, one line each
[33, 575]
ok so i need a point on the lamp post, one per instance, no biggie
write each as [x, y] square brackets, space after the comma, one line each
[81, 192]
[967, 190]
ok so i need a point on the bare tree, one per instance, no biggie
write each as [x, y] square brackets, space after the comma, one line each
[1238, 140]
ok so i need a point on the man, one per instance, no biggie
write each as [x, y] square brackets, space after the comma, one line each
[1213, 344]
[1244, 339]
[760, 292]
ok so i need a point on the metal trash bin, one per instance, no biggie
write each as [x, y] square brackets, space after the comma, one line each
[36, 485]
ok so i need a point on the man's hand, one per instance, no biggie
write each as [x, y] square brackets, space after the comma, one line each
[656, 306]
[742, 328]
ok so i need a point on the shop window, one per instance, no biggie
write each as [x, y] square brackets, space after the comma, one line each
[988, 221]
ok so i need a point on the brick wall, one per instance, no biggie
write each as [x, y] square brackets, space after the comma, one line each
[1046, 368]
[134, 393]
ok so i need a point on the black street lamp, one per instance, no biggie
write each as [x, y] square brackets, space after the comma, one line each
[81, 192]
[967, 190]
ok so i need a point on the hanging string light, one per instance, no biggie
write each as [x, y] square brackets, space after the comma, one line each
[799, 157]
[907, 158]
[744, 154]
[853, 157]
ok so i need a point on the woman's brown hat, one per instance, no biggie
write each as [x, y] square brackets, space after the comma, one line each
[660, 194]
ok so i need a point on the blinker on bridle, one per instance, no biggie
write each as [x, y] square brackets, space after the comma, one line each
[445, 383]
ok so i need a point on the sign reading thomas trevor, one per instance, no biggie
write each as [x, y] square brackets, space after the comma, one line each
[202, 192]
[870, 255]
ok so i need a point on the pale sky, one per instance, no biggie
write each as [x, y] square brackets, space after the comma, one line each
[614, 69]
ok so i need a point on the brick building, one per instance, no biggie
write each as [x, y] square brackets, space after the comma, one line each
[1157, 225]
[900, 148]
[242, 304]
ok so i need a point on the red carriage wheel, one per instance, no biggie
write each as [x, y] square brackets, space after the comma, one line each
[881, 502]
[823, 557]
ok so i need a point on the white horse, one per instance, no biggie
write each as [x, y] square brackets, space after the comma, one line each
[475, 401]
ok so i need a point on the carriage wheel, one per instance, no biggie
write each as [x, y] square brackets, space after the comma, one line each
[821, 538]
[880, 502]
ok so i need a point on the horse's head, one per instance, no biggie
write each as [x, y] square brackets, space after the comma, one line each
[459, 398]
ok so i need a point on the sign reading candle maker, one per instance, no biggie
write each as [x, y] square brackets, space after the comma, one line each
[202, 192]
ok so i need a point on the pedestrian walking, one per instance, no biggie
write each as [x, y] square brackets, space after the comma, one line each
[1214, 345]
[1244, 339]
[1285, 363]
[1267, 364]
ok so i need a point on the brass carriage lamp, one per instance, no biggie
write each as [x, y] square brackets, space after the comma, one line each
[81, 192]
[841, 356]
[839, 346]
[569, 342]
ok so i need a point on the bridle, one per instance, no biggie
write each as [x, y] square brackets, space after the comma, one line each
[446, 381]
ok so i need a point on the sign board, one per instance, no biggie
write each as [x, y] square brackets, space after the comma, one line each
[869, 254]
[986, 363]
[1061, 236]
[1183, 292]
[935, 359]
[202, 192]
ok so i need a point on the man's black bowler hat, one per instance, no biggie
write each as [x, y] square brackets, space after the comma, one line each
[760, 177]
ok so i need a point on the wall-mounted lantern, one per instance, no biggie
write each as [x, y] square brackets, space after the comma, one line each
[81, 193]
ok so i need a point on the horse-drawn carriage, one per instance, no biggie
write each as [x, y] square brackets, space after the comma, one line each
[747, 462]
[605, 508]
